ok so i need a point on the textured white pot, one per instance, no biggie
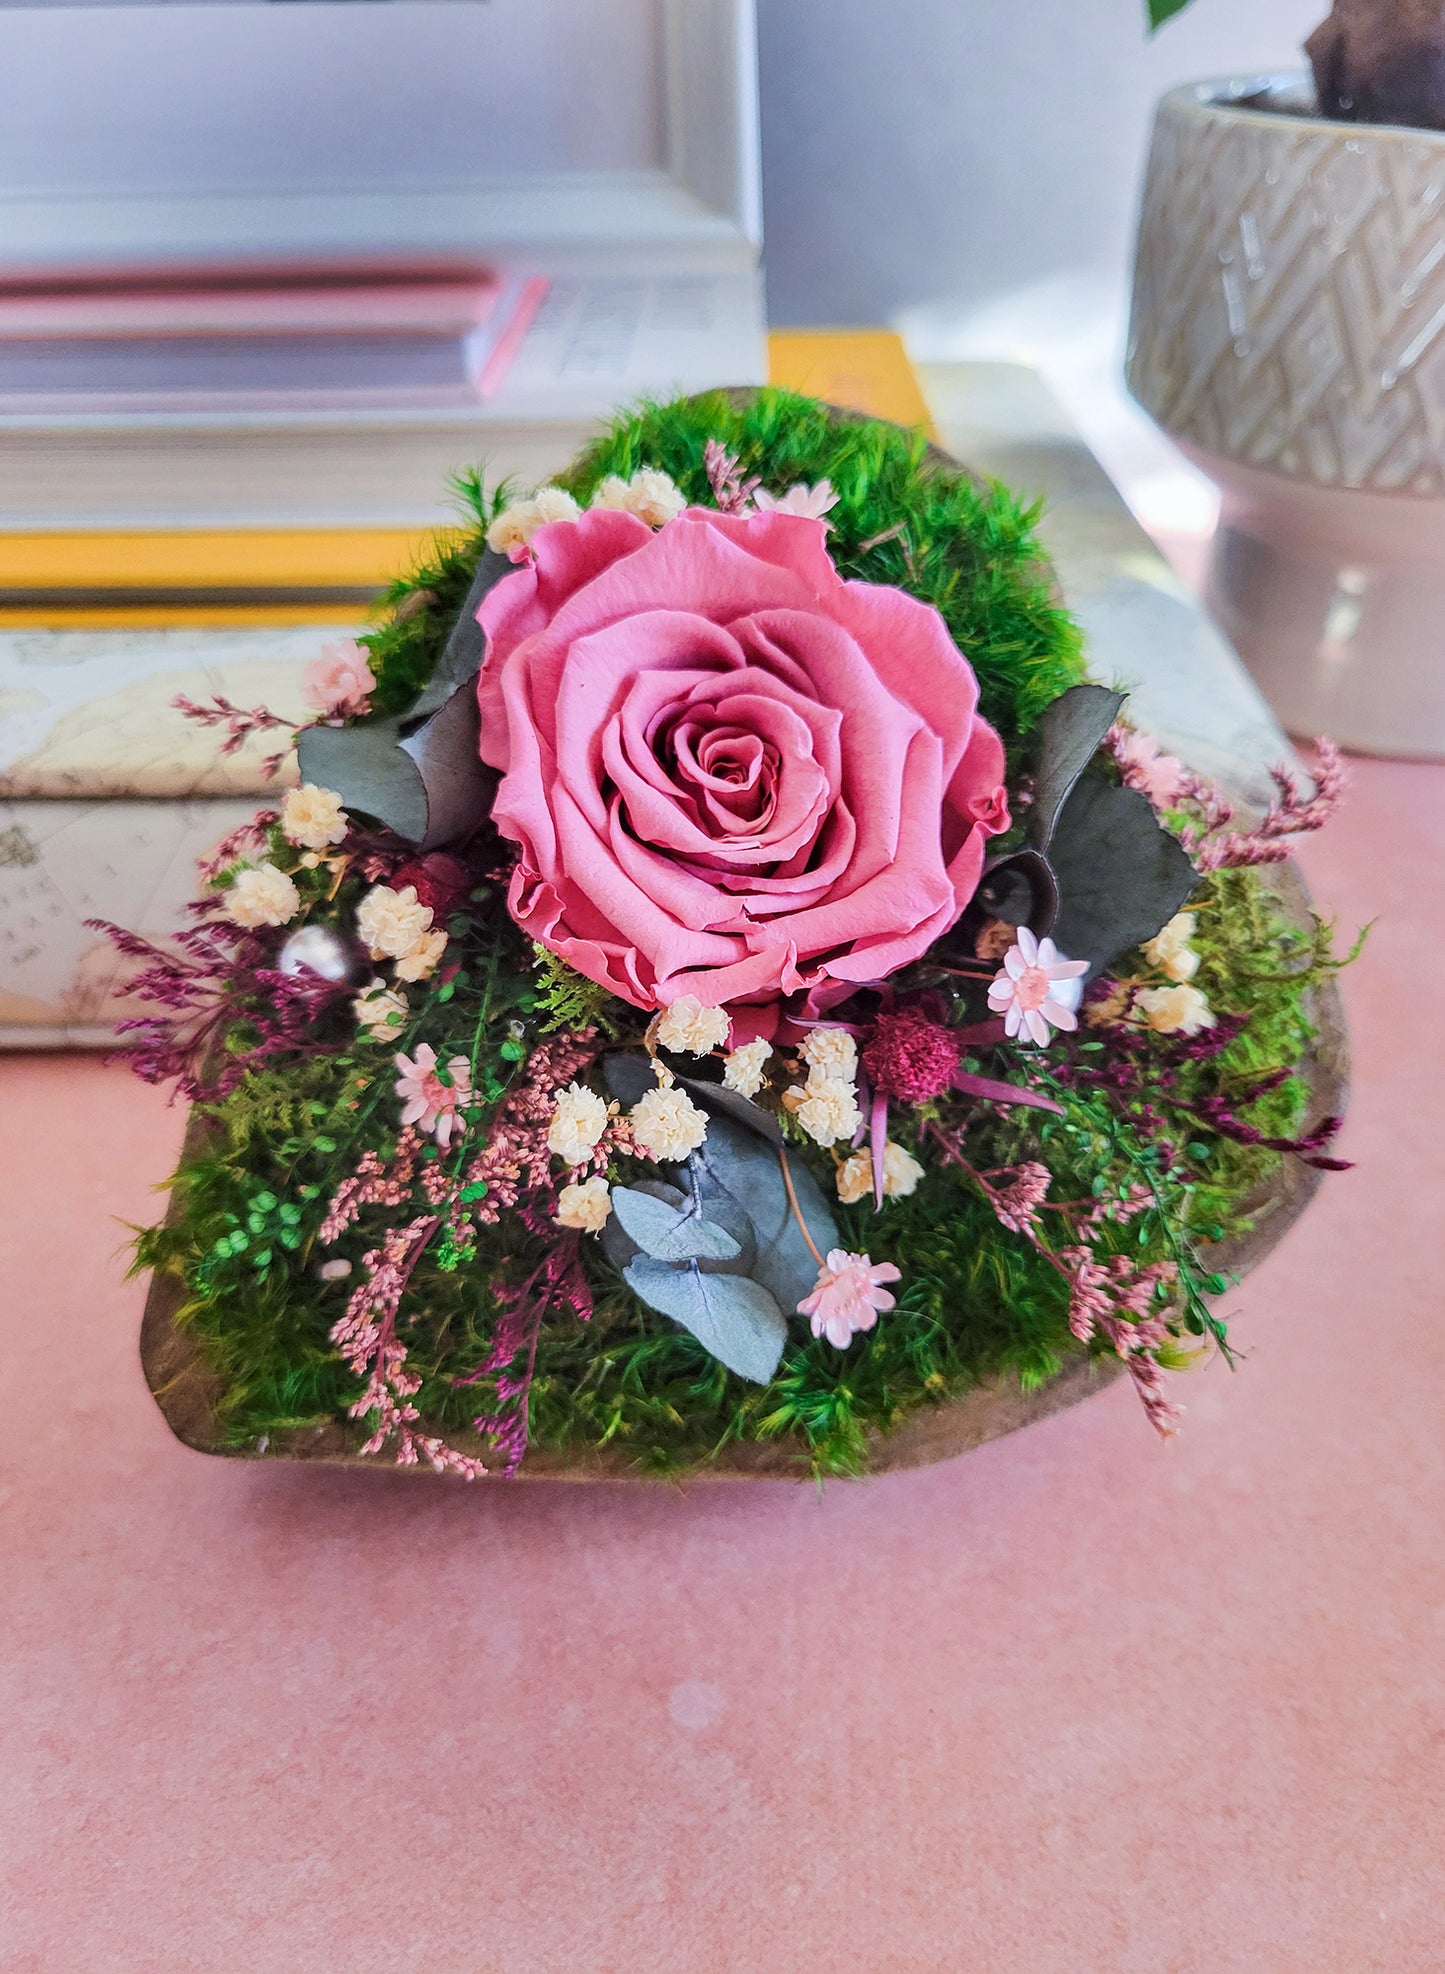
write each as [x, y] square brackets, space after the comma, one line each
[1288, 331]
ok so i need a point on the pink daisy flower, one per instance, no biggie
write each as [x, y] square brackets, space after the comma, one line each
[1036, 986]
[813, 502]
[340, 681]
[426, 1101]
[848, 1296]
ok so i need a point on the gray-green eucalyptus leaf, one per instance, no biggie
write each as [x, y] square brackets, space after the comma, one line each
[732, 1317]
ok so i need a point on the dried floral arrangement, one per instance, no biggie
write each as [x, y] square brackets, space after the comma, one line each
[725, 976]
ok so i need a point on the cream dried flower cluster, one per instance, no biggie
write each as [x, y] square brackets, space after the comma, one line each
[826, 1106]
[395, 925]
[380, 1010]
[688, 1028]
[901, 1174]
[746, 1069]
[312, 818]
[579, 1117]
[1180, 1009]
[260, 894]
[653, 496]
[666, 1123]
[585, 1206]
[512, 530]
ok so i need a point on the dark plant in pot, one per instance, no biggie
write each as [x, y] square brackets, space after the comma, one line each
[1288, 331]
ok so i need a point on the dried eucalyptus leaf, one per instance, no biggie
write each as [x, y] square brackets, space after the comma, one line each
[1122, 876]
[1067, 737]
[733, 1318]
[617, 1244]
[669, 1233]
[735, 1161]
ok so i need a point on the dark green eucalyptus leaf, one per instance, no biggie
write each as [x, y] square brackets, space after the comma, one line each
[733, 1318]
[461, 658]
[419, 772]
[715, 1099]
[1020, 889]
[629, 1075]
[1122, 876]
[669, 1233]
[1067, 737]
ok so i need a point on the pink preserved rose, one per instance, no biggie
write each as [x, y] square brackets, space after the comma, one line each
[727, 772]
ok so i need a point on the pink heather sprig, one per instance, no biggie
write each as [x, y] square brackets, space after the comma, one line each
[366, 1337]
[730, 491]
[241, 724]
[1290, 814]
[1210, 841]
[375, 1182]
[1119, 1297]
[1017, 1204]
[1115, 1295]
[1214, 846]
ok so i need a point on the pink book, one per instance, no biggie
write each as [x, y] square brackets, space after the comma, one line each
[272, 345]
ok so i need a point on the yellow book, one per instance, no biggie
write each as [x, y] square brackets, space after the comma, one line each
[328, 576]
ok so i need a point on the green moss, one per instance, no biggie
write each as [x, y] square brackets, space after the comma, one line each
[965, 546]
[976, 1301]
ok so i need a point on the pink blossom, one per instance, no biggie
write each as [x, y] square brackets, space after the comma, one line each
[848, 1296]
[339, 682]
[814, 501]
[427, 1101]
[1143, 767]
[727, 771]
[1036, 986]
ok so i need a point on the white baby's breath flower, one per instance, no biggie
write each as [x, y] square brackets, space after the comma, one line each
[312, 817]
[830, 1052]
[855, 1177]
[654, 497]
[555, 504]
[745, 1070]
[424, 958]
[391, 924]
[585, 1207]
[262, 895]
[828, 1110]
[380, 1010]
[689, 1028]
[1179, 1010]
[667, 1123]
[579, 1117]
[901, 1174]
[1170, 949]
[514, 527]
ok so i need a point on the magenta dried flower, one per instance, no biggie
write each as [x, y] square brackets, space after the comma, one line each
[910, 1056]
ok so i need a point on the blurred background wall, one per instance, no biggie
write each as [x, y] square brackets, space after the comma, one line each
[964, 169]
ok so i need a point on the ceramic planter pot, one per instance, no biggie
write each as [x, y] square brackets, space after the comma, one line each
[1288, 332]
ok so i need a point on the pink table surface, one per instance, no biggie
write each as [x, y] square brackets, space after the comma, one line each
[1077, 1701]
